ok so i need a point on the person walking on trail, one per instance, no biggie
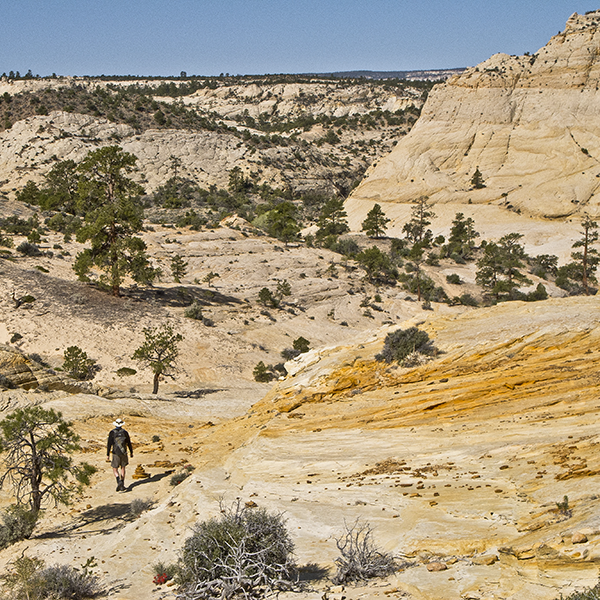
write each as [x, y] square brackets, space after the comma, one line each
[119, 442]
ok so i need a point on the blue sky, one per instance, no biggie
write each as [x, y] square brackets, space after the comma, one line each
[209, 37]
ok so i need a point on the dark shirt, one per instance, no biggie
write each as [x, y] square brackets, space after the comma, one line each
[111, 442]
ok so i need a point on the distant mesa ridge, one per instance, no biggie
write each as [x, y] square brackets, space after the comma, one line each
[423, 75]
[530, 124]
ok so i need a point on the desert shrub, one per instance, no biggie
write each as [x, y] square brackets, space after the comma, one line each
[266, 297]
[301, 344]
[126, 371]
[467, 300]
[63, 581]
[540, 293]
[177, 478]
[454, 278]
[262, 373]
[139, 505]
[163, 572]
[28, 249]
[401, 343]
[6, 242]
[543, 265]
[242, 551]
[345, 246]
[77, 364]
[289, 353]
[29, 580]
[18, 523]
[359, 558]
[185, 472]
[194, 311]
[587, 594]
[156, 438]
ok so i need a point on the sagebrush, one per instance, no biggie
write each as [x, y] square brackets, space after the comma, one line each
[359, 558]
[29, 579]
[243, 551]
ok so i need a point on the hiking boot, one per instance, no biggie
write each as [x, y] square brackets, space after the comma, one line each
[119, 484]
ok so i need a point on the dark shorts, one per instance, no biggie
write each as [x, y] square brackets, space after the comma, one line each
[119, 460]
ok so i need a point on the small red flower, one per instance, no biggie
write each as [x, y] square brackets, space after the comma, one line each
[160, 579]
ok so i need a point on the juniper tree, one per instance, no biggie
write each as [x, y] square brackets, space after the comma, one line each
[37, 445]
[477, 180]
[159, 351]
[107, 197]
[282, 222]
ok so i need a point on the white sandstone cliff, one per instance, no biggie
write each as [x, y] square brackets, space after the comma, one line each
[531, 124]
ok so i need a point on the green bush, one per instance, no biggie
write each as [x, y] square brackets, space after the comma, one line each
[164, 571]
[301, 344]
[18, 523]
[28, 249]
[454, 278]
[126, 371]
[262, 373]
[27, 579]
[466, 300]
[266, 298]
[401, 343]
[177, 478]
[241, 551]
[77, 364]
[194, 311]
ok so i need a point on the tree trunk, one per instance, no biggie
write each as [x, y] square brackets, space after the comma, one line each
[155, 389]
[585, 252]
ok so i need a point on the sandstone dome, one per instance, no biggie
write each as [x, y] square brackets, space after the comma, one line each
[530, 124]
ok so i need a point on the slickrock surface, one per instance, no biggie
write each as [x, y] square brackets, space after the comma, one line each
[459, 463]
[529, 123]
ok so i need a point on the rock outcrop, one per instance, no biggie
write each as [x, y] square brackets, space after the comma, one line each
[20, 371]
[529, 124]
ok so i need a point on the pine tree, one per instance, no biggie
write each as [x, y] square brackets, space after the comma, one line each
[376, 222]
[107, 197]
[477, 179]
[416, 229]
[178, 268]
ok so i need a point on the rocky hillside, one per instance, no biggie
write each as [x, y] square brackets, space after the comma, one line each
[303, 133]
[528, 123]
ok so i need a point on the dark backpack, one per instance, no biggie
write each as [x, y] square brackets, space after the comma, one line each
[120, 443]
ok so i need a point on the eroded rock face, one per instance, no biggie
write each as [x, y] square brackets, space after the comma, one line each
[529, 123]
[19, 371]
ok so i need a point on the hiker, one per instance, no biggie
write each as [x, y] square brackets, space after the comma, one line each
[119, 441]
